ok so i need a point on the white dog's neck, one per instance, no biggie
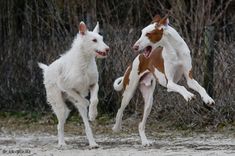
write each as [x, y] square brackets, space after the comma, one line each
[80, 56]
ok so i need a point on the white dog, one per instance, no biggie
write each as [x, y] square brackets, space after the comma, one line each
[166, 64]
[73, 76]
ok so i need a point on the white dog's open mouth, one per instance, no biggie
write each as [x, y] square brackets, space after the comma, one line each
[147, 51]
[101, 53]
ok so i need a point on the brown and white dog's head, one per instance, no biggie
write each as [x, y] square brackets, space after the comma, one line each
[151, 35]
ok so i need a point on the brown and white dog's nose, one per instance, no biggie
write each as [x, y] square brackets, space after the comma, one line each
[136, 47]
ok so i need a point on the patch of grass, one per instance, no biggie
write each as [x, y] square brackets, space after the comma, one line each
[104, 119]
[24, 116]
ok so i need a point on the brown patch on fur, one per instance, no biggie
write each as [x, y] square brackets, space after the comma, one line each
[144, 64]
[126, 78]
[155, 60]
[155, 35]
[190, 74]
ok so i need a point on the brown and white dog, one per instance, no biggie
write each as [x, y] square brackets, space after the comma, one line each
[166, 64]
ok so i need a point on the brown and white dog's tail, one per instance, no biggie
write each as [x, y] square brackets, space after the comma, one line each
[118, 84]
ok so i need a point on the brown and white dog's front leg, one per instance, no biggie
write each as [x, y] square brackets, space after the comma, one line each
[172, 86]
[193, 84]
[93, 102]
[147, 86]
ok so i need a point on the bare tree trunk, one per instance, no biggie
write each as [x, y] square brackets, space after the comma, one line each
[209, 58]
[91, 14]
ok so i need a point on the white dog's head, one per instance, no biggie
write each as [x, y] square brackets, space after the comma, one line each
[93, 42]
[151, 35]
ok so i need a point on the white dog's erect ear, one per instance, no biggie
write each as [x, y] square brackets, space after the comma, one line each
[82, 28]
[97, 28]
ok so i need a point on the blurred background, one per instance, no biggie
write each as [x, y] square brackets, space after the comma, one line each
[34, 31]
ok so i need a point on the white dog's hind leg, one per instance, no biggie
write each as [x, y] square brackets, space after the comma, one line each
[54, 97]
[93, 102]
[82, 104]
[147, 87]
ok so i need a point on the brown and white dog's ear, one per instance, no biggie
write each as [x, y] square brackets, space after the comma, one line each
[156, 19]
[82, 28]
[164, 20]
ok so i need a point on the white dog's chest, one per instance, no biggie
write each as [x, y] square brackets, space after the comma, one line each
[85, 80]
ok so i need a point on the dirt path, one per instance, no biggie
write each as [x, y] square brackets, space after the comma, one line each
[165, 144]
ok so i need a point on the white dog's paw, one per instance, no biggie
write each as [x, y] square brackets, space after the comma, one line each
[93, 114]
[146, 143]
[188, 96]
[208, 100]
[116, 128]
[93, 145]
[62, 145]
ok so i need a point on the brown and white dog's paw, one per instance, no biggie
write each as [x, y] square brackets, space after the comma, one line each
[208, 100]
[189, 96]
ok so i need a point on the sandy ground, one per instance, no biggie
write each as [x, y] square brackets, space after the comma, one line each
[164, 144]
[24, 137]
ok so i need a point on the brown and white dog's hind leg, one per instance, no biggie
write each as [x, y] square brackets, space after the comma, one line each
[133, 77]
[193, 84]
[127, 95]
[147, 86]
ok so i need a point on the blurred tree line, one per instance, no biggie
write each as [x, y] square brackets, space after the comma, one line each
[41, 30]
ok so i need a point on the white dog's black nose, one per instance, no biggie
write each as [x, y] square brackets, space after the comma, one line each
[107, 50]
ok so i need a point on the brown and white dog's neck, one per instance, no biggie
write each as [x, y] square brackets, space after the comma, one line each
[172, 38]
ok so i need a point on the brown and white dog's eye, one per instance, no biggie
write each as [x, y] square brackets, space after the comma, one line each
[94, 40]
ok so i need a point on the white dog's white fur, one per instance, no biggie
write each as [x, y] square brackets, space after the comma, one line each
[73, 76]
[177, 62]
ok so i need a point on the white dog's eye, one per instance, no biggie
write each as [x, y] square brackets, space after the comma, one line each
[94, 40]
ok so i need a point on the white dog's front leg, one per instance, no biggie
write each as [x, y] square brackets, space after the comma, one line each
[93, 102]
[83, 113]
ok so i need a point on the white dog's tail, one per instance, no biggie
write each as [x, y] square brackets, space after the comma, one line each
[42, 66]
[118, 84]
